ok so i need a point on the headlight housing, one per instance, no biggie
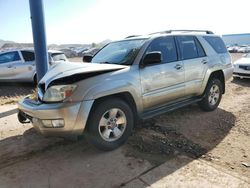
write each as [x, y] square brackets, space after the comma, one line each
[58, 93]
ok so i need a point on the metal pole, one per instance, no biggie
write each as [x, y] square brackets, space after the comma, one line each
[39, 37]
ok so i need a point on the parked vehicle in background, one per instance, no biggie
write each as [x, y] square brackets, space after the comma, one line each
[129, 80]
[243, 49]
[242, 67]
[19, 65]
[90, 52]
[233, 49]
[69, 52]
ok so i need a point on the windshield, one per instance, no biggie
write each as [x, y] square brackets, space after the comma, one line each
[121, 52]
[58, 57]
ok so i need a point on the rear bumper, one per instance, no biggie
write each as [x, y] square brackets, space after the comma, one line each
[74, 115]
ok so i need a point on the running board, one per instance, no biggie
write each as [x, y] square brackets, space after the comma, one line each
[167, 108]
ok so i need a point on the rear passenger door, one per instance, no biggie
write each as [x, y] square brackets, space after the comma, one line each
[195, 63]
[25, 70]
[163, 82]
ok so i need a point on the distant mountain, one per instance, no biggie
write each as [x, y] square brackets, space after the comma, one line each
[2, 42]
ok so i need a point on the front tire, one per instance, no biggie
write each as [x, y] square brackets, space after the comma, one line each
[110, 124]
[213, 94]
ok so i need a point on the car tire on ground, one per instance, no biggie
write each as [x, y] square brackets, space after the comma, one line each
[212, 97]
[110, 124]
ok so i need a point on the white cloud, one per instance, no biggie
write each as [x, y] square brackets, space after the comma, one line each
[115, 19]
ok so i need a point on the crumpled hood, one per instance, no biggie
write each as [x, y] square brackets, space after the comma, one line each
[243, 61]
[66, 69]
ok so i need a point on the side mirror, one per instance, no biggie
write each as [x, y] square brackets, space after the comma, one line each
[151, 58]
[87, 58]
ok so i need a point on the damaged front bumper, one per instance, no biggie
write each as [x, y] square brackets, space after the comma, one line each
[55, 119]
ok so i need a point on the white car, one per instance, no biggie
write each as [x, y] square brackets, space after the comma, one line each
[244, 49]
[19, 65]
[242, 67]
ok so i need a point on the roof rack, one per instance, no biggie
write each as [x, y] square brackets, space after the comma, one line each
[183, 30]
[132, 36]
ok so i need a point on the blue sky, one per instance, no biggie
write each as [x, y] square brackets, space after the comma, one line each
[86, 21]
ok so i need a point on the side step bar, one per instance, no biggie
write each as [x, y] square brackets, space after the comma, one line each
[167, 108]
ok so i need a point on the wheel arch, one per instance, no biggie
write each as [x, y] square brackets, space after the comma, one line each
[218, 74]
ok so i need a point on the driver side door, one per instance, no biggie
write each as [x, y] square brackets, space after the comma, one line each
[164, 82]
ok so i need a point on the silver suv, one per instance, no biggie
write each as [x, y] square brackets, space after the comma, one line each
[129, 80]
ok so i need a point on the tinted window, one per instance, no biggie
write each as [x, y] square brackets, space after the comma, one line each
[9, 56]
[200, 49]
[217, 44]
[187, 47]
[28, 56]
[167, 48]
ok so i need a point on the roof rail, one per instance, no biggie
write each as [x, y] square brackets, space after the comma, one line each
[183, 30]
[131, 36]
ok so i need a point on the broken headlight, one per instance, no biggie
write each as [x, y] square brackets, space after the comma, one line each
[58, 93]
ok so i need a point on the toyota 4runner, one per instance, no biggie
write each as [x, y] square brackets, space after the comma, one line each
[128, 80]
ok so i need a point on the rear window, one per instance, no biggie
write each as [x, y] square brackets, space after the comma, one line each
[216, 43]
[187, 47]
[28, 56]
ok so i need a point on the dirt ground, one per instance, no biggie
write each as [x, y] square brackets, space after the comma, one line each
[221, 137]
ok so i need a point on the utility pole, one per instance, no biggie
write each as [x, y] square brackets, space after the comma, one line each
[39, 37]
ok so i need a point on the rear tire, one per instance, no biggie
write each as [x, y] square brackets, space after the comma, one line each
[110, 124]
[213, 94]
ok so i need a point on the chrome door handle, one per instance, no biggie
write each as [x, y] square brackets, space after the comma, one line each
[178, 66]
[204, 61]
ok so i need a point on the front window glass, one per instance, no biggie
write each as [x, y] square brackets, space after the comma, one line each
[121, 52]
[9, 56]
[165, 45]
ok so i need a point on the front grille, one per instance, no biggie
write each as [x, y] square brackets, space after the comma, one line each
[244, 67]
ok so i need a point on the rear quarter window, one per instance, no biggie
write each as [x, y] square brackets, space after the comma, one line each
[216, 43]
[28, 56]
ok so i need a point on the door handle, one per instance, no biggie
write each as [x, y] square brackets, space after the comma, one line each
[204, 61]
[9, 66]
[178, 66]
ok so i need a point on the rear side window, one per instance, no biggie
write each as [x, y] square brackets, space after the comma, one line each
[200, 49]
[216, 43]
[9, 56]
[28, 56]
[187, 47]
[167, 47]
